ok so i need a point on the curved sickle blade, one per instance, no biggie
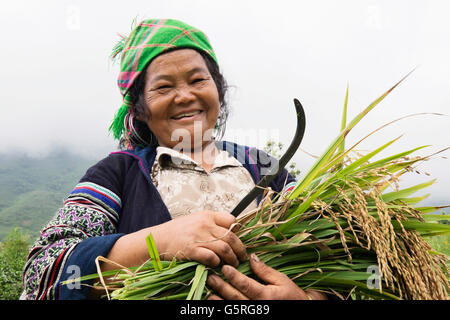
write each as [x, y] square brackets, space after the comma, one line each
[264, 182]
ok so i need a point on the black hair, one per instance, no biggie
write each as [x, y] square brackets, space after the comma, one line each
[142, 135]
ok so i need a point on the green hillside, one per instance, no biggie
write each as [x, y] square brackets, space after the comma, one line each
[33, 189]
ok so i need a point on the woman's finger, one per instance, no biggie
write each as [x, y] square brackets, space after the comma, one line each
[245, 285]
[223, 219]
[266, 273]
[203, 255]
[233, 241]
[224, 289]
[223, 250]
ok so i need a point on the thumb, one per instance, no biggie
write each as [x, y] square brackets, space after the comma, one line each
[266, 273]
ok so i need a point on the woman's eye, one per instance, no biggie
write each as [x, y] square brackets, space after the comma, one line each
[198, 80]
[161, 88]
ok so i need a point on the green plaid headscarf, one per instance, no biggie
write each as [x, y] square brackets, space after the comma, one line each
[145, 42]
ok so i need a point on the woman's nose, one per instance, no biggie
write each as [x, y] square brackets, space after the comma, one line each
[184, 94]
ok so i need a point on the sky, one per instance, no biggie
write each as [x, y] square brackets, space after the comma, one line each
[58, 86]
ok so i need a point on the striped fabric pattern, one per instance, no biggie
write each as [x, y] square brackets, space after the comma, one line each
[289, 187]
[96, 192]
[146, 41]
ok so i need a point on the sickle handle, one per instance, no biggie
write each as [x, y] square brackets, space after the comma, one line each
[264, 182]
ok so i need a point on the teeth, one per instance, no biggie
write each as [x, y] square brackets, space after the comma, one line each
[190, 114]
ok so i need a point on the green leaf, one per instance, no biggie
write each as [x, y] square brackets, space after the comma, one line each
[429, 209]
[382, 162]
[199, 292]
[198, 282]
[435, 217]
[391, 196]
[423, 227]
[153, 252]
[344, 121]
[355, 164]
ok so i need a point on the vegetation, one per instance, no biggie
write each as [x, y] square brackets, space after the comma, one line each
[275, 149]
[13, 253]
[33, 189]
[440, 243]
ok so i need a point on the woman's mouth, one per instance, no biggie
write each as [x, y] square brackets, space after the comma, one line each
[187, 115]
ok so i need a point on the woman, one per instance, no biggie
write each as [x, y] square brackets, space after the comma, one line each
[172, 178]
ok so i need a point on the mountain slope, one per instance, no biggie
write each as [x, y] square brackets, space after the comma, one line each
[33, 189]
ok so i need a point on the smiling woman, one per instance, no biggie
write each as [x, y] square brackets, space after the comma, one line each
[139, 96]
[172, 178]
[179, 92]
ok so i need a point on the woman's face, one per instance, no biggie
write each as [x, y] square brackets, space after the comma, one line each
[181, 96]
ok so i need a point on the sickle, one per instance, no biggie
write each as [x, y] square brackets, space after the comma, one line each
[264, 182]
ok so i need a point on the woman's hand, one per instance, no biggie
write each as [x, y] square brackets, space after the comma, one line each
[241, 287]
[203, 236]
